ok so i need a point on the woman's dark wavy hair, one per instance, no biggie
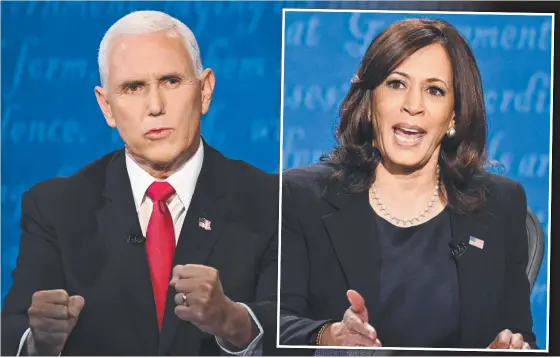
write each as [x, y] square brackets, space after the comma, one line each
[461, 157]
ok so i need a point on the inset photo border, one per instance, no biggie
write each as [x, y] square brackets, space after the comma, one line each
[321, 52]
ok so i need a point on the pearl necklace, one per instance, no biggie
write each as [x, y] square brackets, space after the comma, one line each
[405, 221]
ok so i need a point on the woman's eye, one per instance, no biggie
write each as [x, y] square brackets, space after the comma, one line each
[395, 84]
[436, 91]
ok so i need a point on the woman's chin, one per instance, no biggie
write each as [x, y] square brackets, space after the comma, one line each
[407, 159]
[404, 164]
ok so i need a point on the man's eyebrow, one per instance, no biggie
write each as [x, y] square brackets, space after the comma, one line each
[163, 77]
[172, 75]
[128, 83]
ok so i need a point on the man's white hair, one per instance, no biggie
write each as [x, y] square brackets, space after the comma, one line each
[145, 22]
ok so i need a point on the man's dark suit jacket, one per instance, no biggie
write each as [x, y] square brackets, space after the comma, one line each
[74, 237]
[328, 246]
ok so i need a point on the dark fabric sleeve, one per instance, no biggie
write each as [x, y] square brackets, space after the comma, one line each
[265, 306]
[516, 307]
[295, 328]
[38, 267]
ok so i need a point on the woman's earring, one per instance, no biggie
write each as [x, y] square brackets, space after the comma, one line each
[451, 132]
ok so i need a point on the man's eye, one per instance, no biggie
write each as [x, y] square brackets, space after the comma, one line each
[172, 82]
[133, 88]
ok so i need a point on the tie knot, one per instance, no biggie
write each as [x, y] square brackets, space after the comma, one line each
[160, 191]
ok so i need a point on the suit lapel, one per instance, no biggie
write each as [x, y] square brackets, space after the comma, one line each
[475, 279]
[210, 202]
[116, 220]
[350, 228]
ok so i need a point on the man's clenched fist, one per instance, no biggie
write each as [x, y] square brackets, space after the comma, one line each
[52, 316]
[200, 299]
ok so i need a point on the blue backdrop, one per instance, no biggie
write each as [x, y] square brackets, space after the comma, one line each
[323, 50]
[51, 124]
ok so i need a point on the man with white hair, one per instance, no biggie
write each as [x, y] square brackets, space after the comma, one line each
[165, 247]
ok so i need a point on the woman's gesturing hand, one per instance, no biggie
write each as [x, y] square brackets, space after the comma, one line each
[354, 329]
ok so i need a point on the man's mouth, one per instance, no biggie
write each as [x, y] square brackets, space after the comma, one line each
[157, 133]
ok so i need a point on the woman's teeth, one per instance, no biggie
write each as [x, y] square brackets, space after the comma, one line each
[408, 135]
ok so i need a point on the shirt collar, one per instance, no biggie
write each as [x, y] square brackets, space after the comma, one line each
[183, 180]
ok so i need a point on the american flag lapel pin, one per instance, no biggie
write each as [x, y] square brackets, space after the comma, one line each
[204, 223]
[476, 242]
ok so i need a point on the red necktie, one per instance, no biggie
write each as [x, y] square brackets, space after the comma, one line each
[160, 244]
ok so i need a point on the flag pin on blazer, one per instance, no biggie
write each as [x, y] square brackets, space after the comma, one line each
[476, 242]
[204, 223]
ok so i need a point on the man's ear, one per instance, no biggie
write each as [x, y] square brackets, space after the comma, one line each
[103, 102]
[208, 82]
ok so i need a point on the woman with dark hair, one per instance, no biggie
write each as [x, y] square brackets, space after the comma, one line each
[399, 237]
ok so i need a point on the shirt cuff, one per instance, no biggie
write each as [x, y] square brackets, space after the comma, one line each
[23, 341]
[254, 348]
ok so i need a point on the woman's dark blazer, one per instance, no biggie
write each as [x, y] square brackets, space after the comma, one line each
[328, 246]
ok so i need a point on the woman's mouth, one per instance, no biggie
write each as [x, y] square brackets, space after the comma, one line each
[408, 135]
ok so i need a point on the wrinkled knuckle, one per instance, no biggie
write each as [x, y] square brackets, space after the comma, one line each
[336, 328]
[207, 287]
[37, 296]
[178, 310]
[351, 320]
[205, 300]
[214, 277]
[200, 314]
[59, 295]
[32, 310]
[180, 271]
[178, 286]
